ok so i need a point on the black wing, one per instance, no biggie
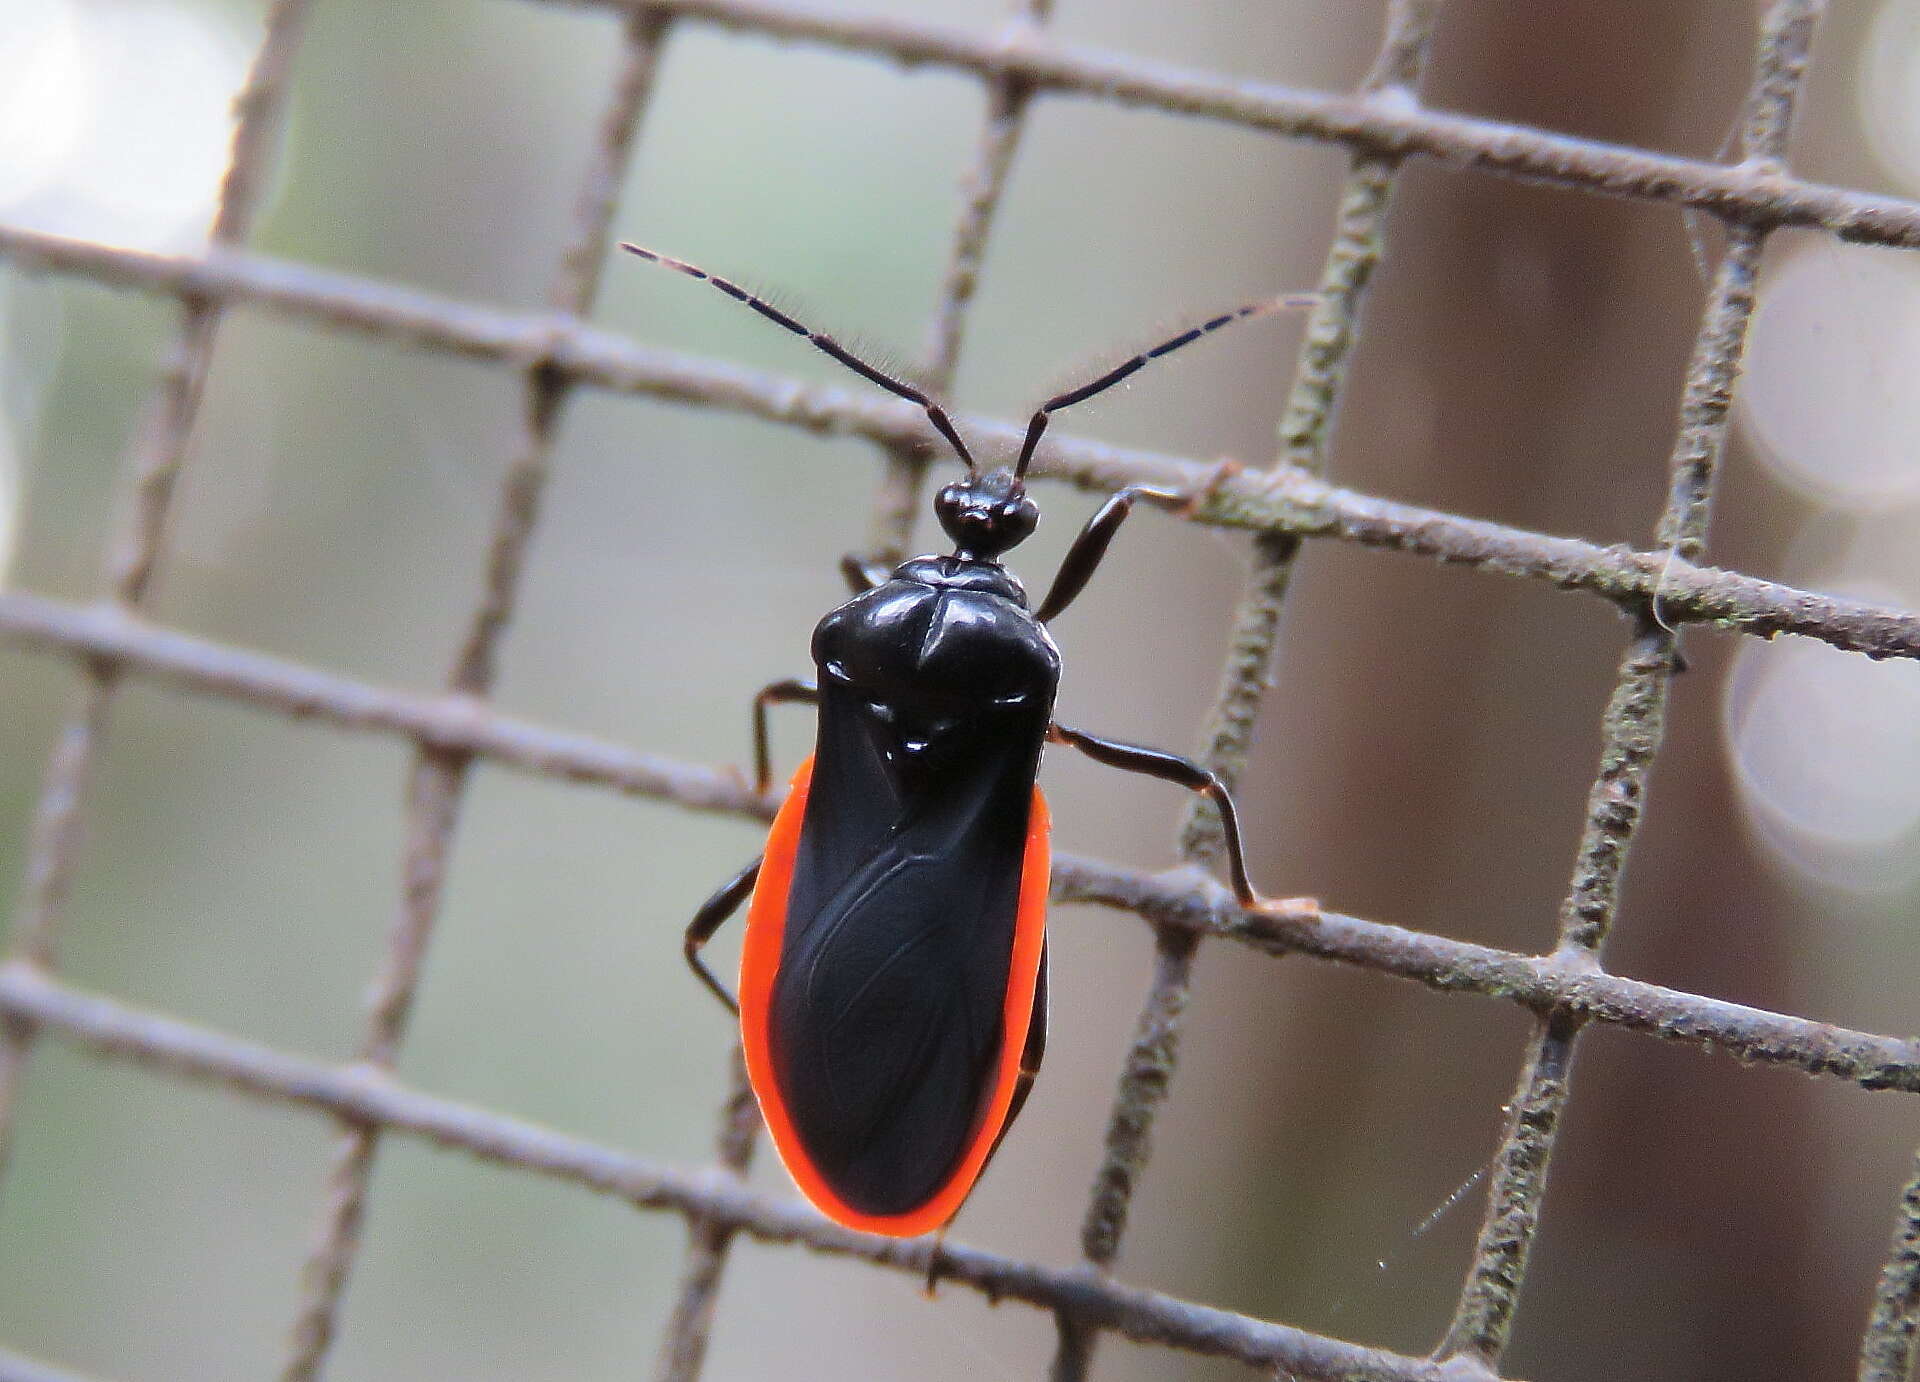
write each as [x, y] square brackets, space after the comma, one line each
[887, 1012]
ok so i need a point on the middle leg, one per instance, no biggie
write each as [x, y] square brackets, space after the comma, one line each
[793, 691]
[1171, 767]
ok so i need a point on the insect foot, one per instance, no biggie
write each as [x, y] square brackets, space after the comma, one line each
[1302, 909]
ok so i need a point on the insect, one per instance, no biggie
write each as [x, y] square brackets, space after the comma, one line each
[893, 980]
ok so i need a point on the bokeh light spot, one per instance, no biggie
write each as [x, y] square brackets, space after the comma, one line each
[1826, 747]
[46, 90]
[9, 497]
[115, 117]
[1829, 395]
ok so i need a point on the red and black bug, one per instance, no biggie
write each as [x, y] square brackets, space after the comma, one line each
[893, 981]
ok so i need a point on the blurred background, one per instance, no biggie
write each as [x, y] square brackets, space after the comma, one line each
[1424, 759]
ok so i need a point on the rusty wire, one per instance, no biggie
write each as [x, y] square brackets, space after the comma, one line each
[1381, 125]
[1287, 500]
[896, 503]
[1886, 1353]
[1377, 122]
[1305, 430]
[133, 553]
[1633, 723]
[436, 788]
[1179, 897]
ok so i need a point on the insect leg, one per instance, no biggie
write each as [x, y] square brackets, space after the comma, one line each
[1078, 566]
[787, 692]
[1171, 767]
[863, 575]
[711, 917]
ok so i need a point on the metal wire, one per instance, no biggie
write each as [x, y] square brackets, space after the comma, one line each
[1175, 898]
[133, 553]
[1381, 124]
[436, 789]
[1632, 726]
[1886, 1353]
[895, 505]
[1286, 500]
[1305, 430]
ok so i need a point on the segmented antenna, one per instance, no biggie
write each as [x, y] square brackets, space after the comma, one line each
[1113, 376]
[820, 341]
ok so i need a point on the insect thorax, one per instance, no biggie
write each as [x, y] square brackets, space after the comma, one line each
[943, 658]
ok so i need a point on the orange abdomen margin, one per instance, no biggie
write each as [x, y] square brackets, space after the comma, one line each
[760, 961]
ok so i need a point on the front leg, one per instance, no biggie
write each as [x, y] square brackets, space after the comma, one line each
[1083, 558]
[862, 575]
[1171, 767]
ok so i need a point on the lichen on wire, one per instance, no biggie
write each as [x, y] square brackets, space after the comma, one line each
[551, 353]
[437, 783]
[1287, 500]
[157, 456]
[896, 503]
[1305, 433]
[1632, 726]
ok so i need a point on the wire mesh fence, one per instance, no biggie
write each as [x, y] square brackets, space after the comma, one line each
[1661, 585]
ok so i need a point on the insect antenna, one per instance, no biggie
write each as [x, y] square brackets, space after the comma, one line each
[820, 341]
[1121, 371]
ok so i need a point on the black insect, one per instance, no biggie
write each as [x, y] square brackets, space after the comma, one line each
[893, 981]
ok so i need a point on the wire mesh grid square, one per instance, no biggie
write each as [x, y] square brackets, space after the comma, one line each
[473, 1026]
